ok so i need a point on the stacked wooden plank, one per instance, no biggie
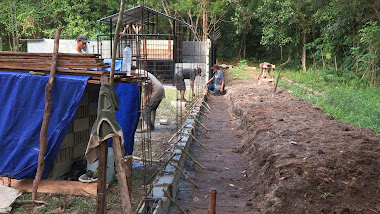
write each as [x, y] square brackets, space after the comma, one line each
[68, 63]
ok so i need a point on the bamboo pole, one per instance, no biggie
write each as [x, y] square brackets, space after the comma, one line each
[46, 118]
[174, 202]
[162, 167]
[205, 134]
[179, 130]
[206, 105]
[204, 114]
[142, 201]
[199, 122]
[201, 144]
[191, 157]
[206, 108]
[184, 174]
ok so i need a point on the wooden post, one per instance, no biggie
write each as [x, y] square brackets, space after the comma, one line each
[116, 40]
[212, 205]
[128, 172]
[46, 118]
[279, 73]
[101, 203]
[121, 176]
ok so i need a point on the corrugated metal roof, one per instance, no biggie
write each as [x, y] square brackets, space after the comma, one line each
[138, 13]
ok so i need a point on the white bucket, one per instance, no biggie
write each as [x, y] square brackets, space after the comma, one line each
[110, 165]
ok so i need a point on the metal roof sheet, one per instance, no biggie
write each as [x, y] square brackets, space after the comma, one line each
[136, 14]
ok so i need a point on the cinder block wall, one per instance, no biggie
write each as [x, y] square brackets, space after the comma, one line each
[74, 145]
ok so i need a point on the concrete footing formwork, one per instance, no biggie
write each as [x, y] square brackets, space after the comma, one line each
[168, 178]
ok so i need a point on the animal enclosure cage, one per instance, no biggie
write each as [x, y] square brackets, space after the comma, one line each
[151, 51]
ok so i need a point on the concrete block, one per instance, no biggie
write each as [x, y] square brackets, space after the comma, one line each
[174, 104]
[59, 169]
[157, 192]
[84, 100]
[93, 108]
[165, 179]
[81, 137]
[64, 155]
[176, 158]
[82, 112]
[79, 150]
[68, 141]
[178, 151]
[92, 119]
[81, 124]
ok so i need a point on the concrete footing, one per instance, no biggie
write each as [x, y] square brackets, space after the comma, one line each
[169, 177]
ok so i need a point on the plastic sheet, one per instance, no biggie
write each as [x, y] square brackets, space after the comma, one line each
[22, 101]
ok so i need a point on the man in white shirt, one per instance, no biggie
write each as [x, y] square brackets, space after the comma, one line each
[154, 93]
[82, 41]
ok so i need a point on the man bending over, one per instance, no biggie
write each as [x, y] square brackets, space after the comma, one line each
[186, 73]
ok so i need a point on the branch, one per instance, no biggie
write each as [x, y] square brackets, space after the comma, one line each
[46, 117]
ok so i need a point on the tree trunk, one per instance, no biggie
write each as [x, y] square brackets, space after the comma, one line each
[188, 30]
[313, 53]
[303, 59]
[245, 46]
[167, 11]
[323, 60]
[204, 6]
[14, 26]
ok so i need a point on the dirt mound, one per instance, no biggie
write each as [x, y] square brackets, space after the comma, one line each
[302, 160]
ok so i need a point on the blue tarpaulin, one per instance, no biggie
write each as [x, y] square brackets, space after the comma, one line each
[21, 109]
[22, 101]
[118, 64]
[128, 114]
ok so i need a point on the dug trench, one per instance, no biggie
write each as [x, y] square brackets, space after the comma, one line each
[281, 154]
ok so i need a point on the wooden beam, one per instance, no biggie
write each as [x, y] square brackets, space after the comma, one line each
[121, 176]
[101, 203]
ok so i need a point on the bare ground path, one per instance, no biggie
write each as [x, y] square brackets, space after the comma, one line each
[225, 167]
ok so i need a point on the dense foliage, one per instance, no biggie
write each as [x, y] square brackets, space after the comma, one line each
[341, 35]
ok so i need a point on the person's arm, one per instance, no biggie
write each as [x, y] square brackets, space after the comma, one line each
[222, 77]
[222, 88]
[210, 80]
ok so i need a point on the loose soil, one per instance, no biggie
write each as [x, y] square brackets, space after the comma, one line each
[267, 154]
[226, 168]
[298, 159]
[302, 160]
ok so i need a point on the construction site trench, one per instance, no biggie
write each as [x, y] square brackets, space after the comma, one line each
[279, 154]
[265, 154]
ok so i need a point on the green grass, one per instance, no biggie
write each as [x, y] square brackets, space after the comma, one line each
[347, 99]
[165, 109]
[240, 73]
[57, 204]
